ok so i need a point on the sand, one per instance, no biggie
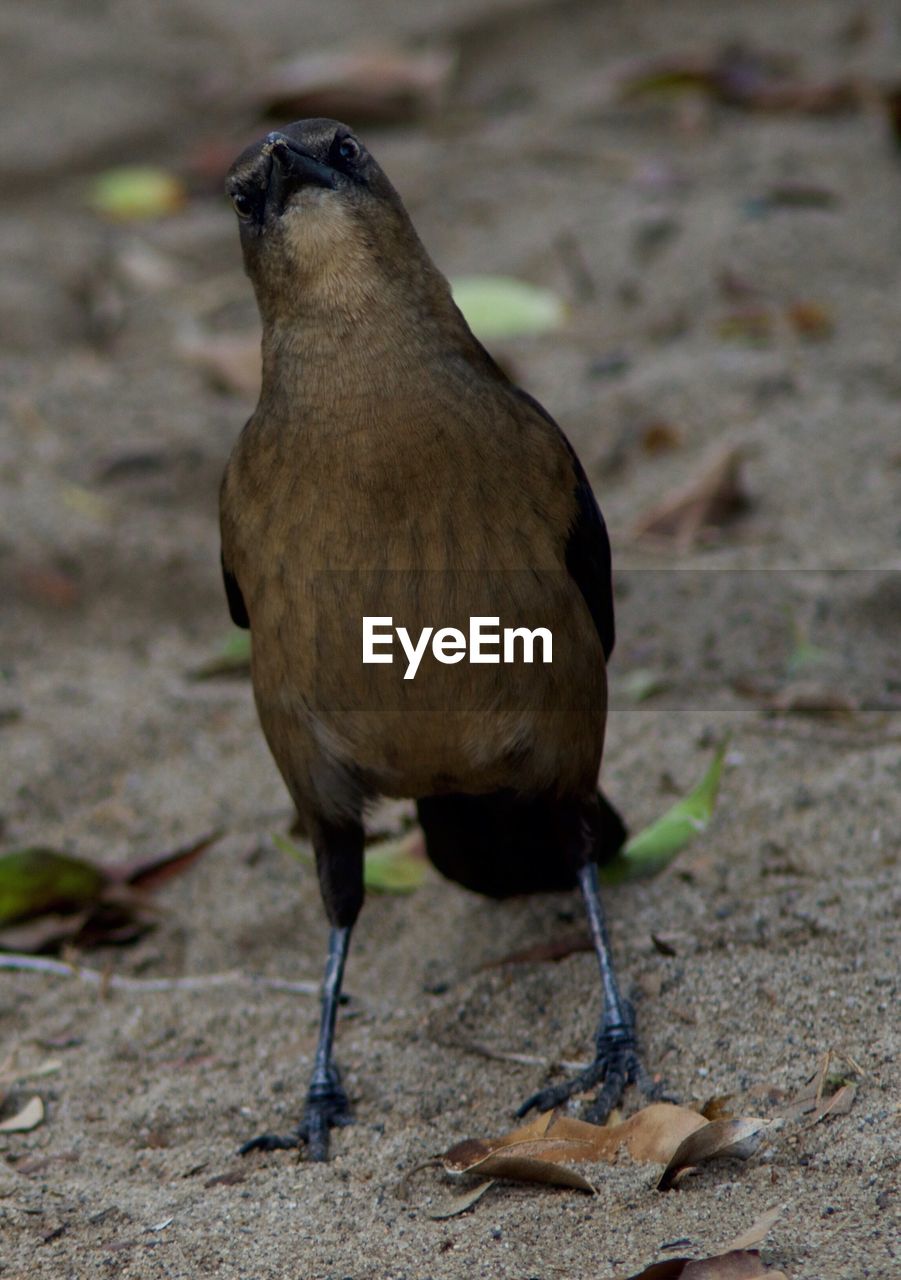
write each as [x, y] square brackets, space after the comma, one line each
[657, 222]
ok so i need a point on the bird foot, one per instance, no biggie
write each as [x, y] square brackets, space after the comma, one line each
[617, 1065]
[327, 1107]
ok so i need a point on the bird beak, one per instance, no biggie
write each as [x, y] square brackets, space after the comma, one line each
[291, 167]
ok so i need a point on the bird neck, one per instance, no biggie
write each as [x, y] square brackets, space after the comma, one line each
[357, 347]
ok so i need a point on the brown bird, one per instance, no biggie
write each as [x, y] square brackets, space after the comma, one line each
[391, 471]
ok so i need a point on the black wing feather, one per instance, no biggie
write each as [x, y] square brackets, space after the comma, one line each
[236, 606]
[587, 544]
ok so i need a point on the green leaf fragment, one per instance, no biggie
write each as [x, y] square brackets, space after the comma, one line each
[390, 866]
[500, 307]
[642, 684]
[655, 847]
[805, 654]
[134, 192]
[36, 880]
[231, 659]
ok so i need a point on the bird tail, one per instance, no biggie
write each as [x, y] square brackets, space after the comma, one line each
[504, 844]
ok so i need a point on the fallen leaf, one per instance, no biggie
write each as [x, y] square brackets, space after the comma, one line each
[839, 1104]
[376, 86]
[717, 1108]
[736, 1138]
[741, 77]
[48, 585]
[49, 899]
[713, 500]
[655, 847]
[231, 659]
[659, 437]
[724, 1266]
[46, 934]
[651, 1135]
[230, 362]
[756, 1233]
[642, 683]
[389, 866]
[136, 192]
[499, 307]
[810, 320]
[395, 866]
[36, 880]
[459, 1204]
[545, 952]
[31, 1115]
[149, 873]
[515, 1165]
[816, 1099]
[812, 699]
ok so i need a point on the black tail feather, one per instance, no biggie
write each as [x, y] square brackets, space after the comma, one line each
[504, 843]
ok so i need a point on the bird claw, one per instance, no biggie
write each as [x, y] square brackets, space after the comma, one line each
[616, 1063]
[327, 1107]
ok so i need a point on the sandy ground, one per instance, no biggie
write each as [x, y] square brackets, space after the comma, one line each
[783, 918]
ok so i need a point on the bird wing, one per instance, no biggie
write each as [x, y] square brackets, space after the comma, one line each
[587, 551]
[236, 606]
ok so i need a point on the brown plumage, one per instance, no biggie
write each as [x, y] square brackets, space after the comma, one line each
[392, 469]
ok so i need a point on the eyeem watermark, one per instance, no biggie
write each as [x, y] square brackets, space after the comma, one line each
[485, 643]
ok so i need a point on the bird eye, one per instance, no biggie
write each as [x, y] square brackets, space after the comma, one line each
[243, 207]
[349, 149]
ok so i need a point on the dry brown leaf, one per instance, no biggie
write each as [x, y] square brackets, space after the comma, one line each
[31, 1115]
[544, 952]
[737, 1138]
[150, 873]
[231, 362]
[713, 500]
[509, 1164]
[459, 1204]
[650, 1136]
[387, 85]
[812, 699]
[815, 1100]
[839, 1104]
[755, 1233]
[659, 436]
[47, 585]
[734, 1265]
[811, 320]
[716, 1108]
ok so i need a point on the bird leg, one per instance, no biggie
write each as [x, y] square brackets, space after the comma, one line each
[326, 1106]
[616, 1062]
[339, 860]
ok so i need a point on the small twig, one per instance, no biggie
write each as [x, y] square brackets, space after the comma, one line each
[521, 1059]
[822, 736]
[116, 981]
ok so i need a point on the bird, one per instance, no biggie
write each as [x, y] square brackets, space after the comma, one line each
[392, 471]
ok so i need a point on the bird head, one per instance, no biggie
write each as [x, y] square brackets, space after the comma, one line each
[318, 216]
